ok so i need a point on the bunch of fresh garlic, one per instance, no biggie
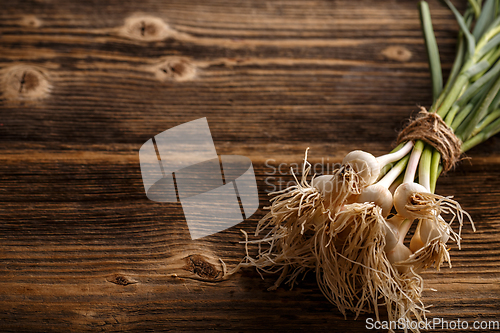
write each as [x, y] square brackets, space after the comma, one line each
[351, 227]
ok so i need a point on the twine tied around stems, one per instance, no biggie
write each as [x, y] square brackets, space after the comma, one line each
[431, 128]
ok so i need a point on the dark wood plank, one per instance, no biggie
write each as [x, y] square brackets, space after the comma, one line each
[84, 84]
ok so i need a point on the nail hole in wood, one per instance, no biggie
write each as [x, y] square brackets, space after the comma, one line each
[143, 28]
[22, 82]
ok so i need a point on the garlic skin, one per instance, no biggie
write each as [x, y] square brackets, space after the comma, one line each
[402, 197]
[379, 195]
[365, 164]
[430, 230]
[319, 217]
[396, 221]
[427, 230]
[326, 185]
[445, 236]
[391, 237]
[398, 254]
[416, 242]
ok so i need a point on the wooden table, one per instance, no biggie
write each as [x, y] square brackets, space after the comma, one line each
[85, 84]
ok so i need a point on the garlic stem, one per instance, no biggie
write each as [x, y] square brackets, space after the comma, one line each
[379, 193]
[395, 184]
[411, 169]
[394, 173]
[416, 242]
[424, 172]
[404, 228]
[396, 156]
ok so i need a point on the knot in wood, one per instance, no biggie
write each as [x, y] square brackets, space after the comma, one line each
[175, 69]
[398, 53]
[199, 265]
[25, 82]
[121, 280]
[30, 21]
[145, 28]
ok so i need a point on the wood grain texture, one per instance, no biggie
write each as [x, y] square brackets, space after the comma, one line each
[84, 84]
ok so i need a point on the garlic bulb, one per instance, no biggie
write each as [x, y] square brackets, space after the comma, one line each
[324, 183]
[365, 164]
[399, 253]
[431, 230]
[403, 196]
[379, 195]
[427, 230]
[328, 185]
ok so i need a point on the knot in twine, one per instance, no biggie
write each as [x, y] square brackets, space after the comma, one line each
[430, 128]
